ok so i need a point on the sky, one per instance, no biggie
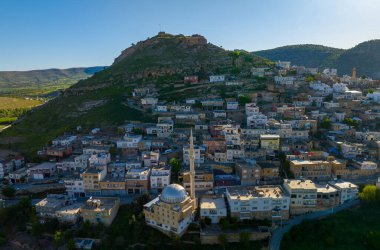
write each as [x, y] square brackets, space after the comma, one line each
[43, 34]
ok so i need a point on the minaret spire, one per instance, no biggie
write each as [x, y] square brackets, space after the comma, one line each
[192, 169]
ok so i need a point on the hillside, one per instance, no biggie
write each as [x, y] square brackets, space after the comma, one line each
[42, 81]
[308, 55]
[365, 57]
[101, 99]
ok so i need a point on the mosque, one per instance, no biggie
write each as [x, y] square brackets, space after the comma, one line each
[173, 210]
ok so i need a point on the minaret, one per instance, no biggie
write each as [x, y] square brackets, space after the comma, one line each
[192, 169]
[353, 73]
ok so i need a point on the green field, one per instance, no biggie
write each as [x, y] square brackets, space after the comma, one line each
[356, 229]
[11, 108]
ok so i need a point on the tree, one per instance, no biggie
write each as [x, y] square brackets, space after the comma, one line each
[175, 164]
[370, 194]
[309, 79]
[71, 244]
[326, 123]
[222, 239]
[58, 238]
[243, 100]
[350, 122]
[9, 192]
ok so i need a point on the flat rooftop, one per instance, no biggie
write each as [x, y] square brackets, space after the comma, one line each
[211, 203]
[245, 193]
[300, 184]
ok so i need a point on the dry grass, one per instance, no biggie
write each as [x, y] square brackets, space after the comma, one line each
[13, 103]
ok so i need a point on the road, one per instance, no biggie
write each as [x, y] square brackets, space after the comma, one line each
[275, 241]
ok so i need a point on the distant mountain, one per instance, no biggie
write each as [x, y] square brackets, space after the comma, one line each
[11, 81]
[101, 100]
[365, 57]
[46, 75]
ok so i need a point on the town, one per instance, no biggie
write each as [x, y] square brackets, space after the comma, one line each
[303, 144]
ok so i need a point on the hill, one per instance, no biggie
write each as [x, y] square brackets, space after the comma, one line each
[307, 55]
[42, 81]
[100, 100]
[365, 57]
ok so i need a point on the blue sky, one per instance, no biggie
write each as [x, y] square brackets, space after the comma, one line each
[38, 34]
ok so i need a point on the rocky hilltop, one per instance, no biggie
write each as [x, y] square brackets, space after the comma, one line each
[166, 54]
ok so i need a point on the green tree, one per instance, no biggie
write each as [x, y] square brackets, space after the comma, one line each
[326, 123]
[71, 244]
[243, 100]
[175, 164]
[309, 79]
[9, 192]
[370, 194]
[58, 240]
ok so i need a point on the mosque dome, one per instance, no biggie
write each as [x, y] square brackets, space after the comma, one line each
[173, 193]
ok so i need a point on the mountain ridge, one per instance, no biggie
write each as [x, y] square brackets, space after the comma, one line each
[365, 57]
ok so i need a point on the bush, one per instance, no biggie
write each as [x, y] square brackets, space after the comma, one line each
[9, 192]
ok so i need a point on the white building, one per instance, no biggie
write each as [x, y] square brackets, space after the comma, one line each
[165, 127]
[283, 64]
[129, 141]
[321, 87]
[340, 87]
[74, 187]
[251, 109]
[262, 202]
[348, 191]
[257, 120]
[284, 80]
[375, 96]
[217, 78]
[160, 177]
[232, 105]
[149, 101]
[64, 140]
[213, 208]
[151, 158]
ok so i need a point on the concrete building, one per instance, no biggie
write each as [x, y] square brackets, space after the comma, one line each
[263, 202]
[74, 187]
[91, 178]
[160, 177]
[303, 195]
[100, 209]
[213, 208]
[137, 180]
[270, 142]
[249, 172]
[42, 171]
[348, 191]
